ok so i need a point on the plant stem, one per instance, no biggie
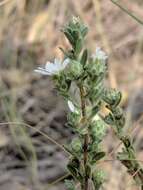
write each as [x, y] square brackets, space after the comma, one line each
[85, 161]
[86, 139]
[127, 11]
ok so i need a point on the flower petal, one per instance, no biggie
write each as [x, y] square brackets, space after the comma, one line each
[71, 106]
[53, 68]
[99, 54]
[66, 62]
[50, 67]
[42, 71]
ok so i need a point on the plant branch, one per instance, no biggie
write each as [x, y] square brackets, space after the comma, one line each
[86, 139]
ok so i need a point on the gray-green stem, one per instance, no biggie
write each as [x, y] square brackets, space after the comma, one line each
[84, 186]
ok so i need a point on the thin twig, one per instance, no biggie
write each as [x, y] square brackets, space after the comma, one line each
[58, 180]
[42, 133]
[127, 11]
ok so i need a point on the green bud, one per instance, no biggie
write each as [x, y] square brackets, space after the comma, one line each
[62, 84]
[96, 68]
[98, 179]
[95, 93]
[76, 145]
[75, 31]
[118, 113]
[74, 70]
[112, 97]
[109, 119]
[97, 130]
[118, 117]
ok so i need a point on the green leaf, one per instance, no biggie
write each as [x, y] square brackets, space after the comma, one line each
[75, 163]
[78, 46]
[76, 34]
[109, 119]
[70, 184]
[98, 156]
[84, 31]
[74, 171]
[88, 170]
[69, 37]
[84, 57]
[95, 110]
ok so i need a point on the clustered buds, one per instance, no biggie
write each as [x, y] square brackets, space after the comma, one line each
[75, 31]
[87, 72]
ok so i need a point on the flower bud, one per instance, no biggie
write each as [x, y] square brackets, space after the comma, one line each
[95, 92]
[74, 71]
[97, 65]
[97, 130]
[62, 84]
[76, 145]
[75, 32]
[98, 178]
[112, 97]
[96, 68]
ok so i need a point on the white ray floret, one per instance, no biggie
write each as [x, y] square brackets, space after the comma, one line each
[99, 54]
[72, 107]
[53, 68]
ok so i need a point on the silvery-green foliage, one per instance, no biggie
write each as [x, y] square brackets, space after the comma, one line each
[87, 72]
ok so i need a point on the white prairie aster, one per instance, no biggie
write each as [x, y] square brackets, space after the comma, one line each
[99, 54]
[72, 107]
[53, 68]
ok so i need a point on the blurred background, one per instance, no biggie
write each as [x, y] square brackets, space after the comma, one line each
[33, 116]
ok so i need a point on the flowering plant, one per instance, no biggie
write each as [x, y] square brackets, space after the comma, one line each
[86, 73]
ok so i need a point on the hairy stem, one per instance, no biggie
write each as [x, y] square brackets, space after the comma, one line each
[86, 139]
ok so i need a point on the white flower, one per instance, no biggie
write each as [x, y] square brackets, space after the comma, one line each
[96, 118]
[72, 107]
[53, 68]
[99, 54]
